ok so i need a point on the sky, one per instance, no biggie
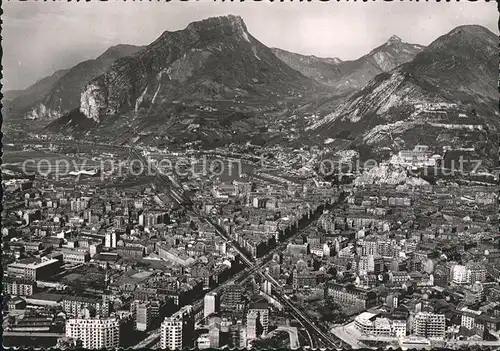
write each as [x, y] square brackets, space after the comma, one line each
[42, 37]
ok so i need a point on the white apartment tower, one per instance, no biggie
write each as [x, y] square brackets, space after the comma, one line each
[263, 313]
[102, 333]
[171, 334]
[252, 330]
[177, 329]
[460, 274]
[143, 316]
[211, 304]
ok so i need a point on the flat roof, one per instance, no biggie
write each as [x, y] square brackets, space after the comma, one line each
[35, 264]
[367, 315]
[46, 296]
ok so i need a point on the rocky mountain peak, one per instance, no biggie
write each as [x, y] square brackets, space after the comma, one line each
[394, 39]
[227, 25]
[476, 36]
[473, 29]
[213, 58]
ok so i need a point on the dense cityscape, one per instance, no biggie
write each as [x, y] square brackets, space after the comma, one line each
[269, 258]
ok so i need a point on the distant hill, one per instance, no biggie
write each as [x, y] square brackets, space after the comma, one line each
[321, 69]
[17, 102]
[58, 94]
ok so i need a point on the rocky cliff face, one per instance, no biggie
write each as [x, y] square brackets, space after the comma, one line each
[63, 93]
[462, 66]
[211, 59]
[352, 75]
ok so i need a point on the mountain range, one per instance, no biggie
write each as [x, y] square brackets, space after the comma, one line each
[214, 83]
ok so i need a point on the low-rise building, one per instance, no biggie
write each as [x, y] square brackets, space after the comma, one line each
[368, 324]
[34, 269]
[75, 255]
[350, 295]
[21, 287]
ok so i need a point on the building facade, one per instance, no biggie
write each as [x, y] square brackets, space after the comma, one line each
[95, 333]
[18, 287]
[211, 304]
[36, 270]
[350, 295]
[430, 325]
[171, 334]
[143, 316]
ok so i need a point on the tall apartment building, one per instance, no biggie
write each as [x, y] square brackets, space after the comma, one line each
[254, 328]
[177, 331]
[367, 247]
[211, 304]
[110, 239]
[143, 316]
[261, 308]
[460, 274]
[430, 325]
[151, 218]
[171, 334]
[237, 335]
[95, 333]
[214, 335]
[233, 297]
[469, 317]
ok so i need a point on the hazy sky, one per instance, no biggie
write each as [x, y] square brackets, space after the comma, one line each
[42, 37]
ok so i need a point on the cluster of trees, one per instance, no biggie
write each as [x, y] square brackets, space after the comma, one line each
[332, 312]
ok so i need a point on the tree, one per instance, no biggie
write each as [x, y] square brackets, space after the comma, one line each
[279, 340]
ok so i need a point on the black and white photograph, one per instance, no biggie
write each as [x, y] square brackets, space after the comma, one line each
[250, 174]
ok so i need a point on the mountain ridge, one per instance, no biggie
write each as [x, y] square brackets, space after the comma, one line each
[350, 75]
[454, 76]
